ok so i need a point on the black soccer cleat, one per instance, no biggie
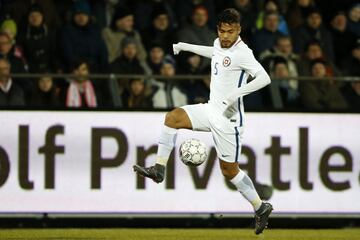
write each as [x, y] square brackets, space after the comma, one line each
[261, 217]
[156, 173]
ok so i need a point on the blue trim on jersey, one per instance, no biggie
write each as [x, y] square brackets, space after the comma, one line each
[239, 85]
[237, 144]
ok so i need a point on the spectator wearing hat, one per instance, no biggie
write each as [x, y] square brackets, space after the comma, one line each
[38, 42]
[167, 94]
[184, 11]
[127, 62]
[10, 93]
[343, 39]
[7, 50]
[321, 94]
[265, 38]
[18, 10]
[354, 20]
[313, 29]
[160, 32]
[144, 12]
[272, 6]
[198, 32]
[9, 27]
[297, 12]
[82, 40]
[122, 25]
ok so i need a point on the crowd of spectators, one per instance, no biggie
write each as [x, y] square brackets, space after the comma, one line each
[290, 38]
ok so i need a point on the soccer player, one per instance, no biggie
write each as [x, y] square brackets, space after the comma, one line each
[231, 64]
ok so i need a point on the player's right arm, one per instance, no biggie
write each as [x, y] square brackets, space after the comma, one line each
[205, 51]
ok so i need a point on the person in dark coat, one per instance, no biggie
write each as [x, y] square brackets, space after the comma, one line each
[10, 93]
[160, 32]
[82, 40]
[313, 29]
[265, 38]
[343, 39]
[321, 94]
[45, 93]
[38, 41]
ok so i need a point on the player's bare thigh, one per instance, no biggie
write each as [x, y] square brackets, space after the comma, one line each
[178, 118]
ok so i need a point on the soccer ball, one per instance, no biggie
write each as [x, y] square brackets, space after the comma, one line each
[193, 152]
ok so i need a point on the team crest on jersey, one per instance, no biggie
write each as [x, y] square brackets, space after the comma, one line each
[226, 61]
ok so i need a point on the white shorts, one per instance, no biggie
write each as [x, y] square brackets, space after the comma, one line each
[227, 133]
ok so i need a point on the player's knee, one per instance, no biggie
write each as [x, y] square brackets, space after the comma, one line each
[171, 119]
[229, 171]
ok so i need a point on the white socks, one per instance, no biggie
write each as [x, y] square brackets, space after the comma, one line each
[166, 144]
[245, 186]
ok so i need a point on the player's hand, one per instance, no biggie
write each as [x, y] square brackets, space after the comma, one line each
[228, 109]
[177, 48]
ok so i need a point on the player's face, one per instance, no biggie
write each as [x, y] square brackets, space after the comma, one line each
[228, 34]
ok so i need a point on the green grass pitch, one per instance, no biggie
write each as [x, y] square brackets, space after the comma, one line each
[175, 234]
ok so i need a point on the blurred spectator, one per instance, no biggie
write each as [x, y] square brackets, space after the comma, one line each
[144, 9]
[127, 63]
[137, 95]
[314, 51]
[272, 6]
[45, 94]
[283, 48]
[198, 32]
[297, 12]
[286, 88]
[10, 93]
[9, 27]
[343, 39]
[103, 12]
[313, 29]
[7, 50]
[81, 92]
[351, 92]
[122, 25]
[247, 9]
[197, 91]
[354, 19]
[265, 38]
[155, 58]
[18, 10]
[351, 65]
[166, 93]
[82, 40]
[38, 42]
[321, 94]
[160, 32]
[184, 10]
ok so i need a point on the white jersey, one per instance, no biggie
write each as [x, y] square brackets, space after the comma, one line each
[230, 69]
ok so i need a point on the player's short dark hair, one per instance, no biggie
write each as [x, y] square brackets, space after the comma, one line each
[229, 16]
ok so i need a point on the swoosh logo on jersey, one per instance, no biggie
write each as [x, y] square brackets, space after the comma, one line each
[224, 155]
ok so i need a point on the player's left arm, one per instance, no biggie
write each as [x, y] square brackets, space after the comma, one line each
[247, 62]
[205, 51]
